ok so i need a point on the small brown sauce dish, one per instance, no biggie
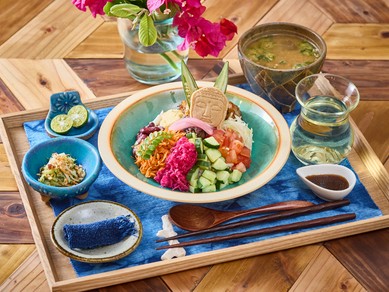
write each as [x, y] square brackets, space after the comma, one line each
[328, 181]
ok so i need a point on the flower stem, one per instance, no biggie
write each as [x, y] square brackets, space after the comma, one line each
[166, 56]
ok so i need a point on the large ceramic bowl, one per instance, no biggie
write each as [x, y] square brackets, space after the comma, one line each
[270, 151]
[84, 153]
[278, 85]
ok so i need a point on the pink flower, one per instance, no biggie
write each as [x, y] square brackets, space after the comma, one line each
[205, 37]
[155, 4]
[95, 6]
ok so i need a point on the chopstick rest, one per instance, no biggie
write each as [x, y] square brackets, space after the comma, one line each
[286, 227]
[100, 233]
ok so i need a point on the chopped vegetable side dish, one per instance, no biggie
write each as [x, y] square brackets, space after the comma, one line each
[61, 171]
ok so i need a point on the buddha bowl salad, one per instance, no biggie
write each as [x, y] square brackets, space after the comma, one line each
[186, 149]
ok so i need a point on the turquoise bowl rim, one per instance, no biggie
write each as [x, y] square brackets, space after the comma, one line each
[62, 192]
[107, 153]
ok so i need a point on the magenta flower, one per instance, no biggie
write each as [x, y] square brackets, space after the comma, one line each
[95, 6]
[205, 37]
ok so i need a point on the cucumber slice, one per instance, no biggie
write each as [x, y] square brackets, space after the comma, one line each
[193, 176]
[199, 145]
[223, 176]
[235, 176]
[194, 189]
[209, 189]
[213, 154]
[221, 185]
[203, 182]
[210, 175]
[203, 164]
[220, 164]
[202, 157]
[211, 142]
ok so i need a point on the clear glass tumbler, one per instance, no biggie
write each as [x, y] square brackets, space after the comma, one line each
[322, 133]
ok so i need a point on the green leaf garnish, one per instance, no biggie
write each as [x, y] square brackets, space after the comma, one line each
[147, 31]
[222, 80]
[188, 82]
[124, 10]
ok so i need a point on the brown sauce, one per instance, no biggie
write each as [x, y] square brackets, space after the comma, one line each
[329, 181]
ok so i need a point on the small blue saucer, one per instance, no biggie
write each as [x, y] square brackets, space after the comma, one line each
[61, 103]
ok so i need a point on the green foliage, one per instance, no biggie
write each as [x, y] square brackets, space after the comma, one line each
[147, 31]
[222, 80]
[125, 10]
[188, 82]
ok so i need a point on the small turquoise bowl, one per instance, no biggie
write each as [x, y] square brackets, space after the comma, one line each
[84, 153]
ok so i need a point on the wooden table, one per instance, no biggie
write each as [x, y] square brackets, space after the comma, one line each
[49, 46]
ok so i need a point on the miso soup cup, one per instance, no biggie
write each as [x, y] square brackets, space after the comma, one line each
[278, 85]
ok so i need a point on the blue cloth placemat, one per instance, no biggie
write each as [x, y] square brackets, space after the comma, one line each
[285, 186]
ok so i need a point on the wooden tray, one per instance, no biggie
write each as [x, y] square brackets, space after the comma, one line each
[58, 269]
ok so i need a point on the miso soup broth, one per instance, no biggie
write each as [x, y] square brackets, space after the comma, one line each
[282, 52]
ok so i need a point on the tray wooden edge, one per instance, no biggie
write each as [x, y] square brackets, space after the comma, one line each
[223, 255]
[156, 269]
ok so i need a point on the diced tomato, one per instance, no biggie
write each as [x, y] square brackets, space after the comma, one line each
[224, 151]
[237, 146]
[219, 136]
[240, 166]
[232, 157]
[246, 152]
[245, 160]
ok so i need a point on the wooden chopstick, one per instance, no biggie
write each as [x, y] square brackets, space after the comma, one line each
[286, 227]
[273, 217]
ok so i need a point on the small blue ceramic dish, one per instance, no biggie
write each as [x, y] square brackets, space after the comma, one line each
[61, 103]
[84, 153]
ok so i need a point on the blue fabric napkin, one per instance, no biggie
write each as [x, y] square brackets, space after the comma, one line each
[100, 233]
[285, 186]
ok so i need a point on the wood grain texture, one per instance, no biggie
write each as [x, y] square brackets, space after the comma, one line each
[186, 280]
[11, 258]
[109, 76]
[360, 72]
[369, 265]
[14, 226]
[104, 42]
[52, 34]
[13, 10]
[7, 180]
[356, 11]
[34, 81]
[324, 273]
[29, 276]
[357, 41]
[271, 272]
[8, 102]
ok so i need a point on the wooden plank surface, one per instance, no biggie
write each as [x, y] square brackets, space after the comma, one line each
[357, 36]
[53, 33]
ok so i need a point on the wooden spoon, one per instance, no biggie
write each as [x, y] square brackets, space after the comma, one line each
[194, 218]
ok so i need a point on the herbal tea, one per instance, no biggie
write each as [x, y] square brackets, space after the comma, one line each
[282, 52]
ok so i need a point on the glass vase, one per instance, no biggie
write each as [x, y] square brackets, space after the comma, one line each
[155, 64]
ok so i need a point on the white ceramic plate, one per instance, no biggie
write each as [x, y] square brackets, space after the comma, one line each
[89, 212]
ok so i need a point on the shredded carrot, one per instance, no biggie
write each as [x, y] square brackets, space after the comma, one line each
[150, 167]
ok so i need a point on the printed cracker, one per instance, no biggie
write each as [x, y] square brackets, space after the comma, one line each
[210, 105]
